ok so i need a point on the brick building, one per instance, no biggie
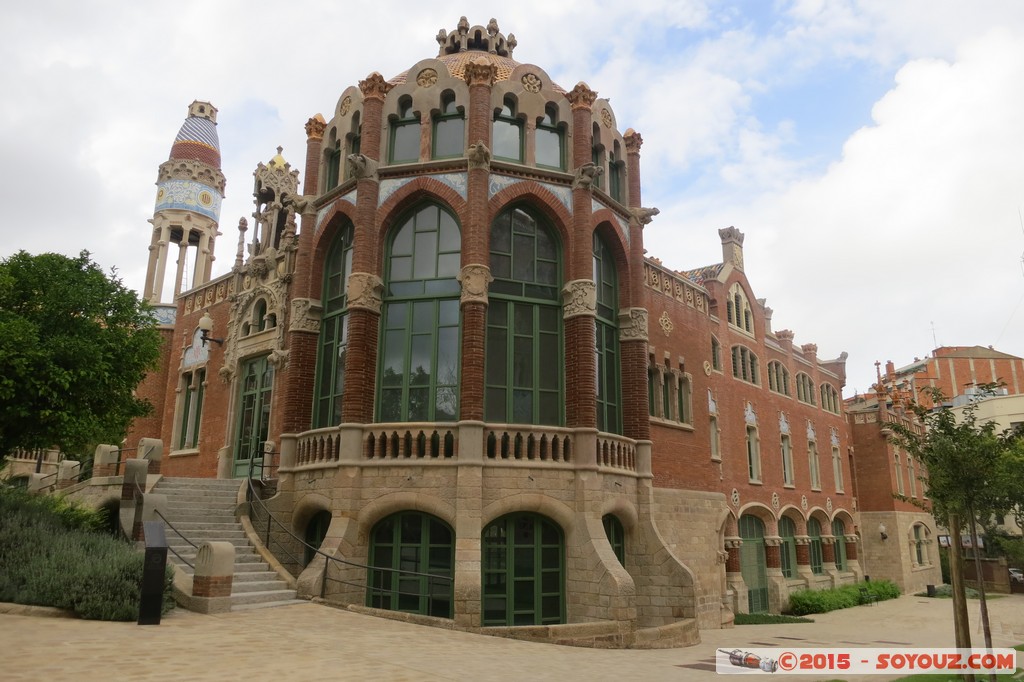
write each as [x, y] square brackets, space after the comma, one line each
[450, 347]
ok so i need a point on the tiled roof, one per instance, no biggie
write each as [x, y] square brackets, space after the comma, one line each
[701, 275]
[197, 140]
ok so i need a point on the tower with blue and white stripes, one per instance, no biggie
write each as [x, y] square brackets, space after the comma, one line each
[190, 188]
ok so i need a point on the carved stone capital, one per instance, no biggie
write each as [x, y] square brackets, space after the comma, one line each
[772, 541]
[481, 71]
[361, 167]
[475, 280]
[305, 316]
[586, 175]
[801, 540]
[581, 97]
[633, 141]
[643, 216]
[579, 298]
[374, 87]
[733, 543]
[364, 291]
[189, 169]
[315, 127]
[852, 539]
[633, 324]
[479, 156]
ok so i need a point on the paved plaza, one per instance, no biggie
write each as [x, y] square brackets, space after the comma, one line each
[314, 642]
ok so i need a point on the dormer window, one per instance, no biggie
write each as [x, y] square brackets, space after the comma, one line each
[550, 140]
[508, 133]
[616, 173]
[738, 310]
[449, 138]
[333, 166]
[405, 134]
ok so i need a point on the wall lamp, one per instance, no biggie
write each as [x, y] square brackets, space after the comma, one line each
[205, 327]
[881, 531]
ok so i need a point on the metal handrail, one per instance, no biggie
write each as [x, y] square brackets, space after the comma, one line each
[254, 497]
[171, 526]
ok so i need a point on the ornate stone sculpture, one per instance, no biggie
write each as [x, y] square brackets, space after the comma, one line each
[579, 297]
[305, 315]
[586, 175]
[475, 280]
[633, 324]
[479, 156]
[361, 167]
[644, 215]
[364, 291]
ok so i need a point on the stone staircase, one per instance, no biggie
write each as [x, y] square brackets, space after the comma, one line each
[203, 509]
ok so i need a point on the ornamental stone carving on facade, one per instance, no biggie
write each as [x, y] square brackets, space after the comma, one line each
[374, 86]
[346, 105]
[803, 502]
[581, 96]
[579, 297]
[775, 501]
[361, 167]
[643, 216]
[606, 118]
[426, 78]
[666, 323]
[783, 424]
[305, 316]
[480, 71]
[633, 141]
[749, 415]
[315, 127]
[479, 156]
[735, 497]
[633, 324]
[531, 82]
[365, 291]
[828, 504]
[586, 175]
[194, 171]
[474, 279]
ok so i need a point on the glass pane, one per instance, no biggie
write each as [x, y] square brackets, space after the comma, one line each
[547, 272]
[446, 408]
[549, 409]
[426, 255]
[494, 609]
[522, 258]
[401, 267]
[402, 244]
[412, 530]
[506, 140]
[522, 407]
[551, 607]
[501, 266]
[549, 318]
[448, 356]
[549, 148]
[449, 137]
[406, 143]
[448, 264]
[523, 595]
[550, 361]
[450, 238]
[549, 535]
[440, 534]
[390, 404]
[550, 581]
[394, 356]
[501, 235]
[523, 319]
[420, 360]
[448, 314]
[496, 356]
[422, 317]
[440, 560]
[419, 404]
[522, 362]
[494, 406]
[546, 245]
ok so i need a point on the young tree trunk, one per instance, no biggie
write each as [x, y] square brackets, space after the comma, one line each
[961, 624]
[985, 626]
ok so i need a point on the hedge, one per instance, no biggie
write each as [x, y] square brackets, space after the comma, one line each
[804, 602]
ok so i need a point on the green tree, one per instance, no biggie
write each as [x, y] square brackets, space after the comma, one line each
[968, 470]
[74, 344]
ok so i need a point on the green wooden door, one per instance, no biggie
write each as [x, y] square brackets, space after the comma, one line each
[523, 571]
[254, 414]
[752, 562]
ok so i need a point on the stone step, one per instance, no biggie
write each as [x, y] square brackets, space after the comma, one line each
[201, 516]
[245, 586]
[241, 558]
[199, 526]
[254, 576]
[197, 534]
[181, 546]
[260, 597]
[199, 501]
[267, 605]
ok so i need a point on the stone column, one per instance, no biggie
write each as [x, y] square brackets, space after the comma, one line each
[211, 585]
[67, 473]
[163, 246]
[186, 231]
[104, 461]
[152, 451]
[734, 577]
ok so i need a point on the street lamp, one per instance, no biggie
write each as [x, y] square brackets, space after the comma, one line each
[205, 327]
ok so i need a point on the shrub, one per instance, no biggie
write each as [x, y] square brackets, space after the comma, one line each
[52, 555]
[804, 602]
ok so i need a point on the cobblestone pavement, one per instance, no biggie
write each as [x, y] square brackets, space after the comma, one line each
[314, 642]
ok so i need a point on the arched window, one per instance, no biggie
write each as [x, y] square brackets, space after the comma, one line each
[830, 398]
[919, 554]
[804, 388]
[353, 141]
[609, 403]
[449, 138]
[778, 377]
[259, 315]
[316, 531]
[738, 309]
[839, 533]
[333, 166]
[523, 375]
[333, 342]
[507, 133]
[787, 460]
[787, 551]
[753, 454]
[412, 555]
[550, 140]
[405, 134]
[744, 365]
[616, 173]
[814, 533]
[716, 354]
[193, 386]
[616, 536]
[753, 563]
[419, 365]
[597, 154]
[899, 473]
[813, 464]
[911, 476]
[837, 468]
[523, 571]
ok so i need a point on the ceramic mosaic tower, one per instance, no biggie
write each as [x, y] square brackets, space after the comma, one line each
[190, 188]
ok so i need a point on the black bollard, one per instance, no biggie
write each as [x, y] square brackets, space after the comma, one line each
[154, 574]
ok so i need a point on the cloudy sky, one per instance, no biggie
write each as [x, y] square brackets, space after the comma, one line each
[872, 151]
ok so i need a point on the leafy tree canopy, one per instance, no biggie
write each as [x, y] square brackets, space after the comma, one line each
[74, 344]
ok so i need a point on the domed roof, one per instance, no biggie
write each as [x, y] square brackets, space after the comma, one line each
[197, 139]
[467, 43]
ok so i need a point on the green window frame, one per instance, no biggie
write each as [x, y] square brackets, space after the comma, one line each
[194, 385]
[753, 454]
[753, 563]
[333, 166]
[616, 535]
[507, 133]
[609, 385]
[817, 556]
[813, 464]
[786, 446]
[918, 545]
[523, 373]
[523, 571]
[597, 154]
[332, 344]
[353, 141]
[652, 382]
[411, 564]
[716, 354]
[549, 140]
[256, 391]
[616, 173]
[449, 134]
[404, 136]
[787, 549]
[839, 533]
[420, 319]
[316, 531]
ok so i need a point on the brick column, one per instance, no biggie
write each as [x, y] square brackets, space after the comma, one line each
[773, 552]
[211, 585]
[67, 473]
[803, 551]
[851, 547]
[104, 460]
[828, 549]
[364, 285]
[732, 561]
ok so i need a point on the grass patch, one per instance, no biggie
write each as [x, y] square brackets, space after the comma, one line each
[767, 619]
[804, 602]
[56, 553]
